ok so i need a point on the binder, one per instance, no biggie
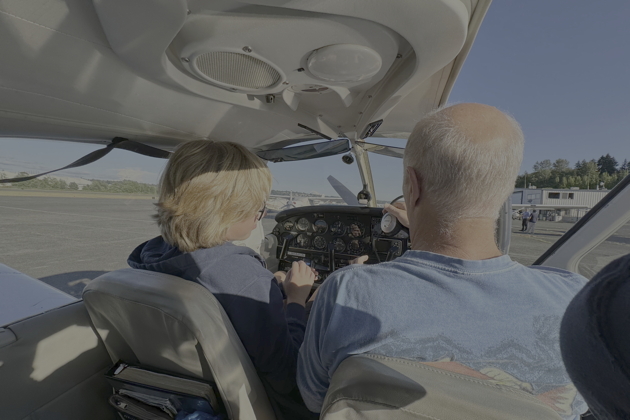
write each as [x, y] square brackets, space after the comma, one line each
[170, 394]
[131, 409]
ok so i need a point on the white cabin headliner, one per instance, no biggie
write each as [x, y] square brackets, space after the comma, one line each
[82, 71]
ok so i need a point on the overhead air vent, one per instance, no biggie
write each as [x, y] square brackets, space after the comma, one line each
[236, 70]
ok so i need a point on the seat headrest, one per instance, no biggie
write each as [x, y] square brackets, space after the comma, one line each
[370, 386]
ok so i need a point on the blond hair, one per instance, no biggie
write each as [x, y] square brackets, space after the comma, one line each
[206, 187]
[461, 177]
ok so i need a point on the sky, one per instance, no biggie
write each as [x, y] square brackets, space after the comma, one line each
[560, 68]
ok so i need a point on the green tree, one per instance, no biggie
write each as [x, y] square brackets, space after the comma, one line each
[591, 173]
[608, 180]
[561, 165]
[73, 186]
[545, 164]
[607, 164]
[578, 165]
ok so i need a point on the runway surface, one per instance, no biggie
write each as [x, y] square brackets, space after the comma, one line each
[68, 241]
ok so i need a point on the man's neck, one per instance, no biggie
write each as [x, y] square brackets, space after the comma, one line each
[469, 239]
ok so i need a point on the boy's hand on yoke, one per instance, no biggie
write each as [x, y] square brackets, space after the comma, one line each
[280, 276]
[298, 282]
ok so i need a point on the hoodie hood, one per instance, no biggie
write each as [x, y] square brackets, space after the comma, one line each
[157, 255]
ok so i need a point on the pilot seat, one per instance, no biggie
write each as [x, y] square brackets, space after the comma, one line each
[164, 322]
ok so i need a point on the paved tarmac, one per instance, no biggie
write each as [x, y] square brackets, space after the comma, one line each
[526, 248]
[67, 241]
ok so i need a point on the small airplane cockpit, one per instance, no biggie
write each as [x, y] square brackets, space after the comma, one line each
[286, 81]
[329, 237]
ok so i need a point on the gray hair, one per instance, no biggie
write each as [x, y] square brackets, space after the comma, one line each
[460, 177]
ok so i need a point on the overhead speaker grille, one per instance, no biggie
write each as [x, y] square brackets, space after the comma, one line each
[237, 70]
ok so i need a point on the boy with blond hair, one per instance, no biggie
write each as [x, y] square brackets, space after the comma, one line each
[212, 193]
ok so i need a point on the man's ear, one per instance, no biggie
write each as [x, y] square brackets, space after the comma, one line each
[414, 187]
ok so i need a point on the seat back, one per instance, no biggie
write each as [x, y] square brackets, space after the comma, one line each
[377, 387]
[176, 325]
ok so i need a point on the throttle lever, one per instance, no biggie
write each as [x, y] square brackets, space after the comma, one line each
[331, 257]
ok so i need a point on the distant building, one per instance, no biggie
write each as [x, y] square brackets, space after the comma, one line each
[557, 204]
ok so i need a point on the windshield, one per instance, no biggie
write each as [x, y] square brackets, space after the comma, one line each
[387, 171]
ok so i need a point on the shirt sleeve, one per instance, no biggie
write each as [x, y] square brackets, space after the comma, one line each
[295, 315]
[271, 336]
[313, 375]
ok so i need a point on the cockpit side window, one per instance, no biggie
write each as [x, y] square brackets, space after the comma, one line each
[616, 246]
[68, 228]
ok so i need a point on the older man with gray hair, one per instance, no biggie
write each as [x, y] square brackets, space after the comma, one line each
[454, 300]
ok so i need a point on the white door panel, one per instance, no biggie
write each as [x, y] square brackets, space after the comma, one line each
[600, 222]
[52, 367]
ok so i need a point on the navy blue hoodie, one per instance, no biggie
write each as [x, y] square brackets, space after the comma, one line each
[249, 294]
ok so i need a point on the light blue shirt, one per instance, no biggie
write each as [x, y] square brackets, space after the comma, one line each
[493, 316]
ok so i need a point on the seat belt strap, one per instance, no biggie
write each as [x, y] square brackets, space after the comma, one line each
[117, 143]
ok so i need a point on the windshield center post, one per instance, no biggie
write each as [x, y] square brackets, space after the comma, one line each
[365, 170]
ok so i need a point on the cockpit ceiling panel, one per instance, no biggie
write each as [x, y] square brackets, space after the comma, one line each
[89, 72]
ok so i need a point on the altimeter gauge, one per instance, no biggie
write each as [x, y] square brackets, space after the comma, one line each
[303, 224]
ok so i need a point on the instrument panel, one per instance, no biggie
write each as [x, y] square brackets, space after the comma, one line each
[329, 237]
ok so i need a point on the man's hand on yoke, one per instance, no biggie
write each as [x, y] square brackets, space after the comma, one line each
[399, 210]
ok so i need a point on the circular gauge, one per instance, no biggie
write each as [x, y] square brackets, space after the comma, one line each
[319, 242]
[354, 246]
[303, 224]
[388, 223]
[338, 228]
[339, 245]
[320, 226]
[288, 225]
[356, 230]
[302, 240]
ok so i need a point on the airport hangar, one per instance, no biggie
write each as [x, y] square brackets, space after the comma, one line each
[558, 205]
